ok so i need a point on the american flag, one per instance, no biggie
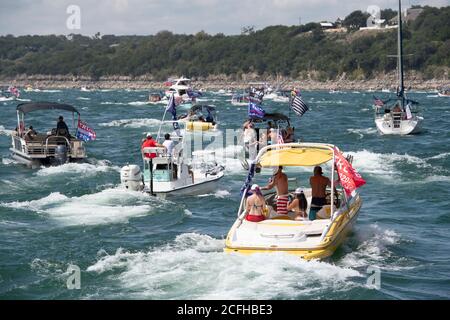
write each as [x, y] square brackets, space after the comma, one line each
[280, 139]
[299, 106]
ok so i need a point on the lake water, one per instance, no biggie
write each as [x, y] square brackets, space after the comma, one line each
[129, 245]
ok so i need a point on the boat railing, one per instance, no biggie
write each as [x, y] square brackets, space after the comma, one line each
[46, 150]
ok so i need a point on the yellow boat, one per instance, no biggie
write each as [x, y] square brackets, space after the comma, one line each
[201, 118]
[316, 239]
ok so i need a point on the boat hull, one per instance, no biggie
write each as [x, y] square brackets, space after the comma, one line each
[406, 127]
[334, 238]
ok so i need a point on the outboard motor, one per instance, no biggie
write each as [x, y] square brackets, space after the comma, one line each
[61, 154]
[131, 177]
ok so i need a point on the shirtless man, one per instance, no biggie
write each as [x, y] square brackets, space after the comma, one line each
[319, 185]
[280, 181]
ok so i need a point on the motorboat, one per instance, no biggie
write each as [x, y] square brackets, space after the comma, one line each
[239, 100]
[54, 147]
[157, 98]
[200, 118]
[172, 174]
[402, 117]
[444, 93]
[262, 126]
[10, 93]
[317, 239]
[181, 89]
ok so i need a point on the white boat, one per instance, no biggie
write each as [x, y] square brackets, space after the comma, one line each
[172, 174]
[401, 117]
[239, 99]
[317, 239]
[444, 93]
[181, 89]
[54, 147]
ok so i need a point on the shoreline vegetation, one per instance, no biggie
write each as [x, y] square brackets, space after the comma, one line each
[382, 82]
[341, 55]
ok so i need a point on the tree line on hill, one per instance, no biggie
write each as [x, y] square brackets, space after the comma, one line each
[291, 51]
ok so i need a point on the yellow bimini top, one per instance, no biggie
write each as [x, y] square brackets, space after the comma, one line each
[296, 156]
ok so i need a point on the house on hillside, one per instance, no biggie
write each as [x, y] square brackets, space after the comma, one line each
[409, 15]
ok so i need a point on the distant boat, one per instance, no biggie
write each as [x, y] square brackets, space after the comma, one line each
[444, 93]
[401, 116]
[184, 95]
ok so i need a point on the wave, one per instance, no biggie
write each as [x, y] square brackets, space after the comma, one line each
[4, 131]
[112, 103]
[138, 103]
[131, 123]
[383, 164]
[108, 206]
[194, 266]
[51, 91]
[362, 132]
[85, 169]
[83, 98]
[375, 249]
[220, 194]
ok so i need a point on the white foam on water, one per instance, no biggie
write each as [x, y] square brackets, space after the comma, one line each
[374, 250]
[4, 131]
[83, 98]
[362, 132]
[137, 103]
[108, 206]
[85, 169]
[439, 156]
[383, 164]
[112, 103]
[131, 123]
[51, 91]
[220, 194]
[194, 266]
[8, 161]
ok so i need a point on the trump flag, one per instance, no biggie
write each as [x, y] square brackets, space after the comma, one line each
[84, 132]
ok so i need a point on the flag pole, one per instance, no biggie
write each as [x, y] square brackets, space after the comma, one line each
[164, 116]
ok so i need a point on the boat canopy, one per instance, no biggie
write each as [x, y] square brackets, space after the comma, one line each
[34, 106]
[272, 117]
[295, 157]
[199, 108]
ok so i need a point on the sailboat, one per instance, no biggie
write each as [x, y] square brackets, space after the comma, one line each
[400, 117]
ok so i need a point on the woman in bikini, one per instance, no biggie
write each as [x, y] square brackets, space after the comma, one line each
[256, 205]
[299, 204]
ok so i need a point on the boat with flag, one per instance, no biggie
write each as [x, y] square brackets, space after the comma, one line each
[262, 129]
[54, 147]
[168, 168]
[10, 93]
[185, 96]
[316, 239]
[399, 115]
[200, 118]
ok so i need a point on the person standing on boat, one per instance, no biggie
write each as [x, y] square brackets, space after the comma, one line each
[149, 142]
[256, 205]
[250, 141]
[319, 185]
[61, 125]
[168, 144]
[280, 181]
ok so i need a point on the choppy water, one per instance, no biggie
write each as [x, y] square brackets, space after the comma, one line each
[129, 245]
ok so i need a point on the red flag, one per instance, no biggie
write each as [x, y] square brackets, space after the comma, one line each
[349, 177]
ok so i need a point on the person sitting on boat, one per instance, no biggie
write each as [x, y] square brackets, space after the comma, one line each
[319, 185]
[61, 127]
[149, 142]
[31, 133]
[273, 136]
[397, 108]
[256, 205]
[289, 135]
[299, 204]
[280, 181]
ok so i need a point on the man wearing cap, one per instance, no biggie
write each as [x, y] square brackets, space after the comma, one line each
[150, 143]
[280, 181]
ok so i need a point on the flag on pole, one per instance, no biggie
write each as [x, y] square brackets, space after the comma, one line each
[84, 132]
[255, 110]
[299, 106]
[280, 139]
[172, 108]
[350, 179]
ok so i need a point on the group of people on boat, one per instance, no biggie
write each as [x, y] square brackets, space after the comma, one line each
[270, 136]
[61, 130]
[257, 208]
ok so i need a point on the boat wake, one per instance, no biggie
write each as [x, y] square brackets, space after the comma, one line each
[362, 132]
[115, 205]
[131, 123]
[84, 169]
[193, 266]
